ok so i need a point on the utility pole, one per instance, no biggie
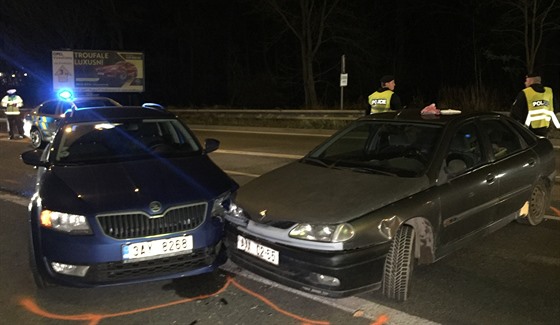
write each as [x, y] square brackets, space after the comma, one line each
[343, 80]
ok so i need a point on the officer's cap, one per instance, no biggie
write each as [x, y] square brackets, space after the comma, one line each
[11, 91]
[387, 78]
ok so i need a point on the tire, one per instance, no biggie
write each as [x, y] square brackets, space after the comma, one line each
[538, 203]
[399, 265]
[36, 138]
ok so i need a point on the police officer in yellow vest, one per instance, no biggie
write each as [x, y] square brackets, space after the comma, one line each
[384, 99]
[12, 102]
[534, 97]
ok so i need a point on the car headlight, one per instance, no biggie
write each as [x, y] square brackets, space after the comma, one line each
[220, 205]
[323, 233]
[65, 222]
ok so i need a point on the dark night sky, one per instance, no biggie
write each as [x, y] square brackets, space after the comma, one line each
[238, 53]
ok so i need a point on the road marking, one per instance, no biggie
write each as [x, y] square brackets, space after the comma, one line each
[264, 132]
[231, 172]
[14, 199]
[259, 154]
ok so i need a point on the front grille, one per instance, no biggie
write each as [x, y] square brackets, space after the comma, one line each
[119, 271]
[139, 224]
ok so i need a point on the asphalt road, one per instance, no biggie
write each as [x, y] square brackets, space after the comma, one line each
[509, 277]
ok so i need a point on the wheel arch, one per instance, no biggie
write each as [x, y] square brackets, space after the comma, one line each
[424, 246]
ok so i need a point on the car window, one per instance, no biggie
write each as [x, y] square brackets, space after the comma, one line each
[48, 108]
[524, 132]
[400, 149]
[127, 140]
[503, 139]
[64, 107]
[465, 147]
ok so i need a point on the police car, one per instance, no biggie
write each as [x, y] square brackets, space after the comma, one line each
[40, 124]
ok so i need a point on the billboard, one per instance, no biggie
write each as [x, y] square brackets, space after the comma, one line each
[98, 71]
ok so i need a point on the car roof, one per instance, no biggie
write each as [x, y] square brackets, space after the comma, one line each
[79, 101]
[415, 116]
[105, 113]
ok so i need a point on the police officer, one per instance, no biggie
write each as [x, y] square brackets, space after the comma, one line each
[384, 99]
[535, 96]
[12, 103]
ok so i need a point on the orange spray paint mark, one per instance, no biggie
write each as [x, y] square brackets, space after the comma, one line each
[278, 309]
[94, 319]
[383, 319]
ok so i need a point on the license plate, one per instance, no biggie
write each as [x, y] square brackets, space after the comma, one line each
[157, 248]
[265, 253]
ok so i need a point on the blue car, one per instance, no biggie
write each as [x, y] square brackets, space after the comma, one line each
[125, 195]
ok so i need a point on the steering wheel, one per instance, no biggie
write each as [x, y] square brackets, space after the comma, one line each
[160, 147]
[415, 153]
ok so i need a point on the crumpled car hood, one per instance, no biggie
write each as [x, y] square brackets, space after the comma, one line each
[306, 193]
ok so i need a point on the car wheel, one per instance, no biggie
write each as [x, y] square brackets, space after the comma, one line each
[399, 265]
[36, 138]
[538, 203]
[40, 281]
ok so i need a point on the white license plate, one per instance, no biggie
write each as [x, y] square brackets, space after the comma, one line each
[265, 253]
[157, 248]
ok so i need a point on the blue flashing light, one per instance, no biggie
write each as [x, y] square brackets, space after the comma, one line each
[65, 94]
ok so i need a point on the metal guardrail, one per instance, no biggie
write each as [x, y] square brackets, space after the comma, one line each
[252, 114]
[277, 118]
[282, 114]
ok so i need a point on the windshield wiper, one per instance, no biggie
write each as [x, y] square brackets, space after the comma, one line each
[316, 161]
[370, 170]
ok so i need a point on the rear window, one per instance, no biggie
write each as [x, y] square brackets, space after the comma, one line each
[503, 139]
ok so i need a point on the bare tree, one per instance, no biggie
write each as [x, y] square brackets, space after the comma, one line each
[531, 21]
[308, 23]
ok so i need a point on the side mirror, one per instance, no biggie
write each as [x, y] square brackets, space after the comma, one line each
[33, 158]
[211, 145]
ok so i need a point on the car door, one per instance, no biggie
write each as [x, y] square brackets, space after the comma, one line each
[46, 117]
[469, 197]
[513, 161]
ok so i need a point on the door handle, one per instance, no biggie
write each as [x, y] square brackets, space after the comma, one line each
[490, 178]
[531, 162]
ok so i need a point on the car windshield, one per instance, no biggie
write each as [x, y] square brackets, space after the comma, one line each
[127, 140]
[380, 147]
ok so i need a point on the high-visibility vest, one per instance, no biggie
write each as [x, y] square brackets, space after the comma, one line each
[380, 101]
[535, 101]
[12, 104]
